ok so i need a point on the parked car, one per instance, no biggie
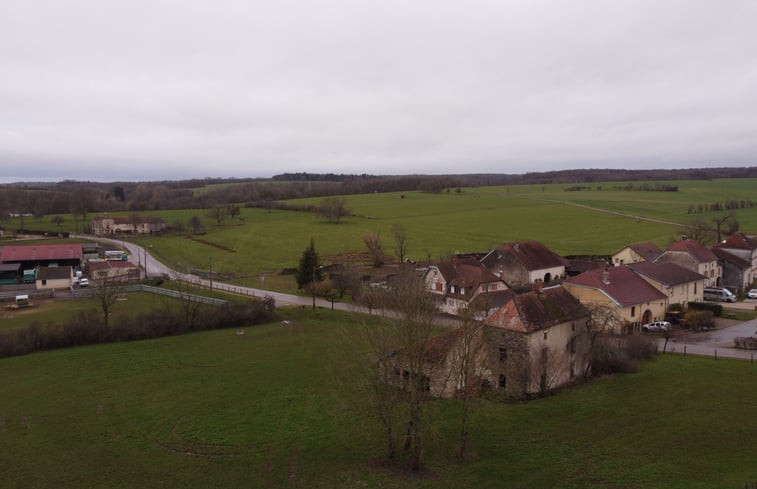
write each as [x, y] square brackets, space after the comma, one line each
[83, 282]
[752, 294]
[718, 294]
[656, 327]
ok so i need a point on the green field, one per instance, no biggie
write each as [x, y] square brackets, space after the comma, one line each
[275, 408]
[253, 250]
[58, 311]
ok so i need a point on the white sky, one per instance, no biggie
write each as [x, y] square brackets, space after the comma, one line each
[154, 89]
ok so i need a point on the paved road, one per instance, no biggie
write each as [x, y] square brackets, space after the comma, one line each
[154, 268]
[718, 342]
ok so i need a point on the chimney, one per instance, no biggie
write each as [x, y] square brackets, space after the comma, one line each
[606, 277]
[538, 287]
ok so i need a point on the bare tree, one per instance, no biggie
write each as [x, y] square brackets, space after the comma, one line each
[375, 248]
[468, 369]
[106, 293]
[721, 221]
[195, 223]
[602, 319]
[700, 230]
[545, 371]
[218, 212]
[189, 303]
[399, 233]
[400, 342]
[57, 220]
[333, 209]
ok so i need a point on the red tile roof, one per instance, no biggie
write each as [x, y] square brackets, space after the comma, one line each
[693, 248]
[534, 311]
[666, 273]
[739, 241]
[533, 255]
[13, 253]
[648, 251]
[622, 285]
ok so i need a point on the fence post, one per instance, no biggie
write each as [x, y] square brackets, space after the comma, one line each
[716, 353]
[684, 351]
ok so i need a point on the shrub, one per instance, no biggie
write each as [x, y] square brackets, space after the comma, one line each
[716, 309]
[699, 320]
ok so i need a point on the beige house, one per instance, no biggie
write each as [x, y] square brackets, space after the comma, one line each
[464, 282]
[679, 284]
[635, 300]
[54, 278]
[691, 254]
[107, 225]
[525, 263]
[636, 253]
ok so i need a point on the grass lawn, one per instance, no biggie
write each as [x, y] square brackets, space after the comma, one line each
[275, 408]
[57, 310]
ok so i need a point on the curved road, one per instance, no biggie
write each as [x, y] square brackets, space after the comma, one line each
[154, 268]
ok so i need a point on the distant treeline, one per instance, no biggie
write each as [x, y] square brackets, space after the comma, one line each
[728, 205]
[81, 198]
[643, 187]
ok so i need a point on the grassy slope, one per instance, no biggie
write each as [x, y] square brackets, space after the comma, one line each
[476, 220]
[274, 408]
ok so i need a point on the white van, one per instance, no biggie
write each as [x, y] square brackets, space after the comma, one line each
[718, 294]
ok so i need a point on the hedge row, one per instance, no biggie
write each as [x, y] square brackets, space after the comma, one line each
[88, 328]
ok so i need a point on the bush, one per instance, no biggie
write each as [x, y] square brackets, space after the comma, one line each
[623, 355]
[716, 309]
[699, 320]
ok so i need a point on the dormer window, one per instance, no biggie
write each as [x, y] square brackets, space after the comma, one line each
[452, 289]
[462, 290]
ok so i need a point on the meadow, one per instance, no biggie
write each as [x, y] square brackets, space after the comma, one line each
[276, 407]
[254, 249]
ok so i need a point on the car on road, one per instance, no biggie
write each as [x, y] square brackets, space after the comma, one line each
[83, 282]
[752, 294]
[656, 327]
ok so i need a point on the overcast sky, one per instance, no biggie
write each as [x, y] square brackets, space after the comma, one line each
[153, 89]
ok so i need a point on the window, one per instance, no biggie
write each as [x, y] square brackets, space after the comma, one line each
[633, 311]
[462, 290]
[545, 335]
[44, 282]
[572, 345]
[492, 286]
[452, 289]
[502, 354]
[572, 326]
[572, 369]
[502, 381]
[695, 287]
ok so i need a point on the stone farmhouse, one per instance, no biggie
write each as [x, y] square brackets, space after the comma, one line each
[531, 345]
[107, 225]
[536, 343]
[525, 263]
[679, 284]
[464, 282]
[635, 300]
[691, 254]
[636, 253]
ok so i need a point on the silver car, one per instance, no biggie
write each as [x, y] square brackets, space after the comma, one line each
[752, 294]
[656, 327]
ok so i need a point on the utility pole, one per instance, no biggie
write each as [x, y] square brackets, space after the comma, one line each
[312, 287]
[211, 274]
